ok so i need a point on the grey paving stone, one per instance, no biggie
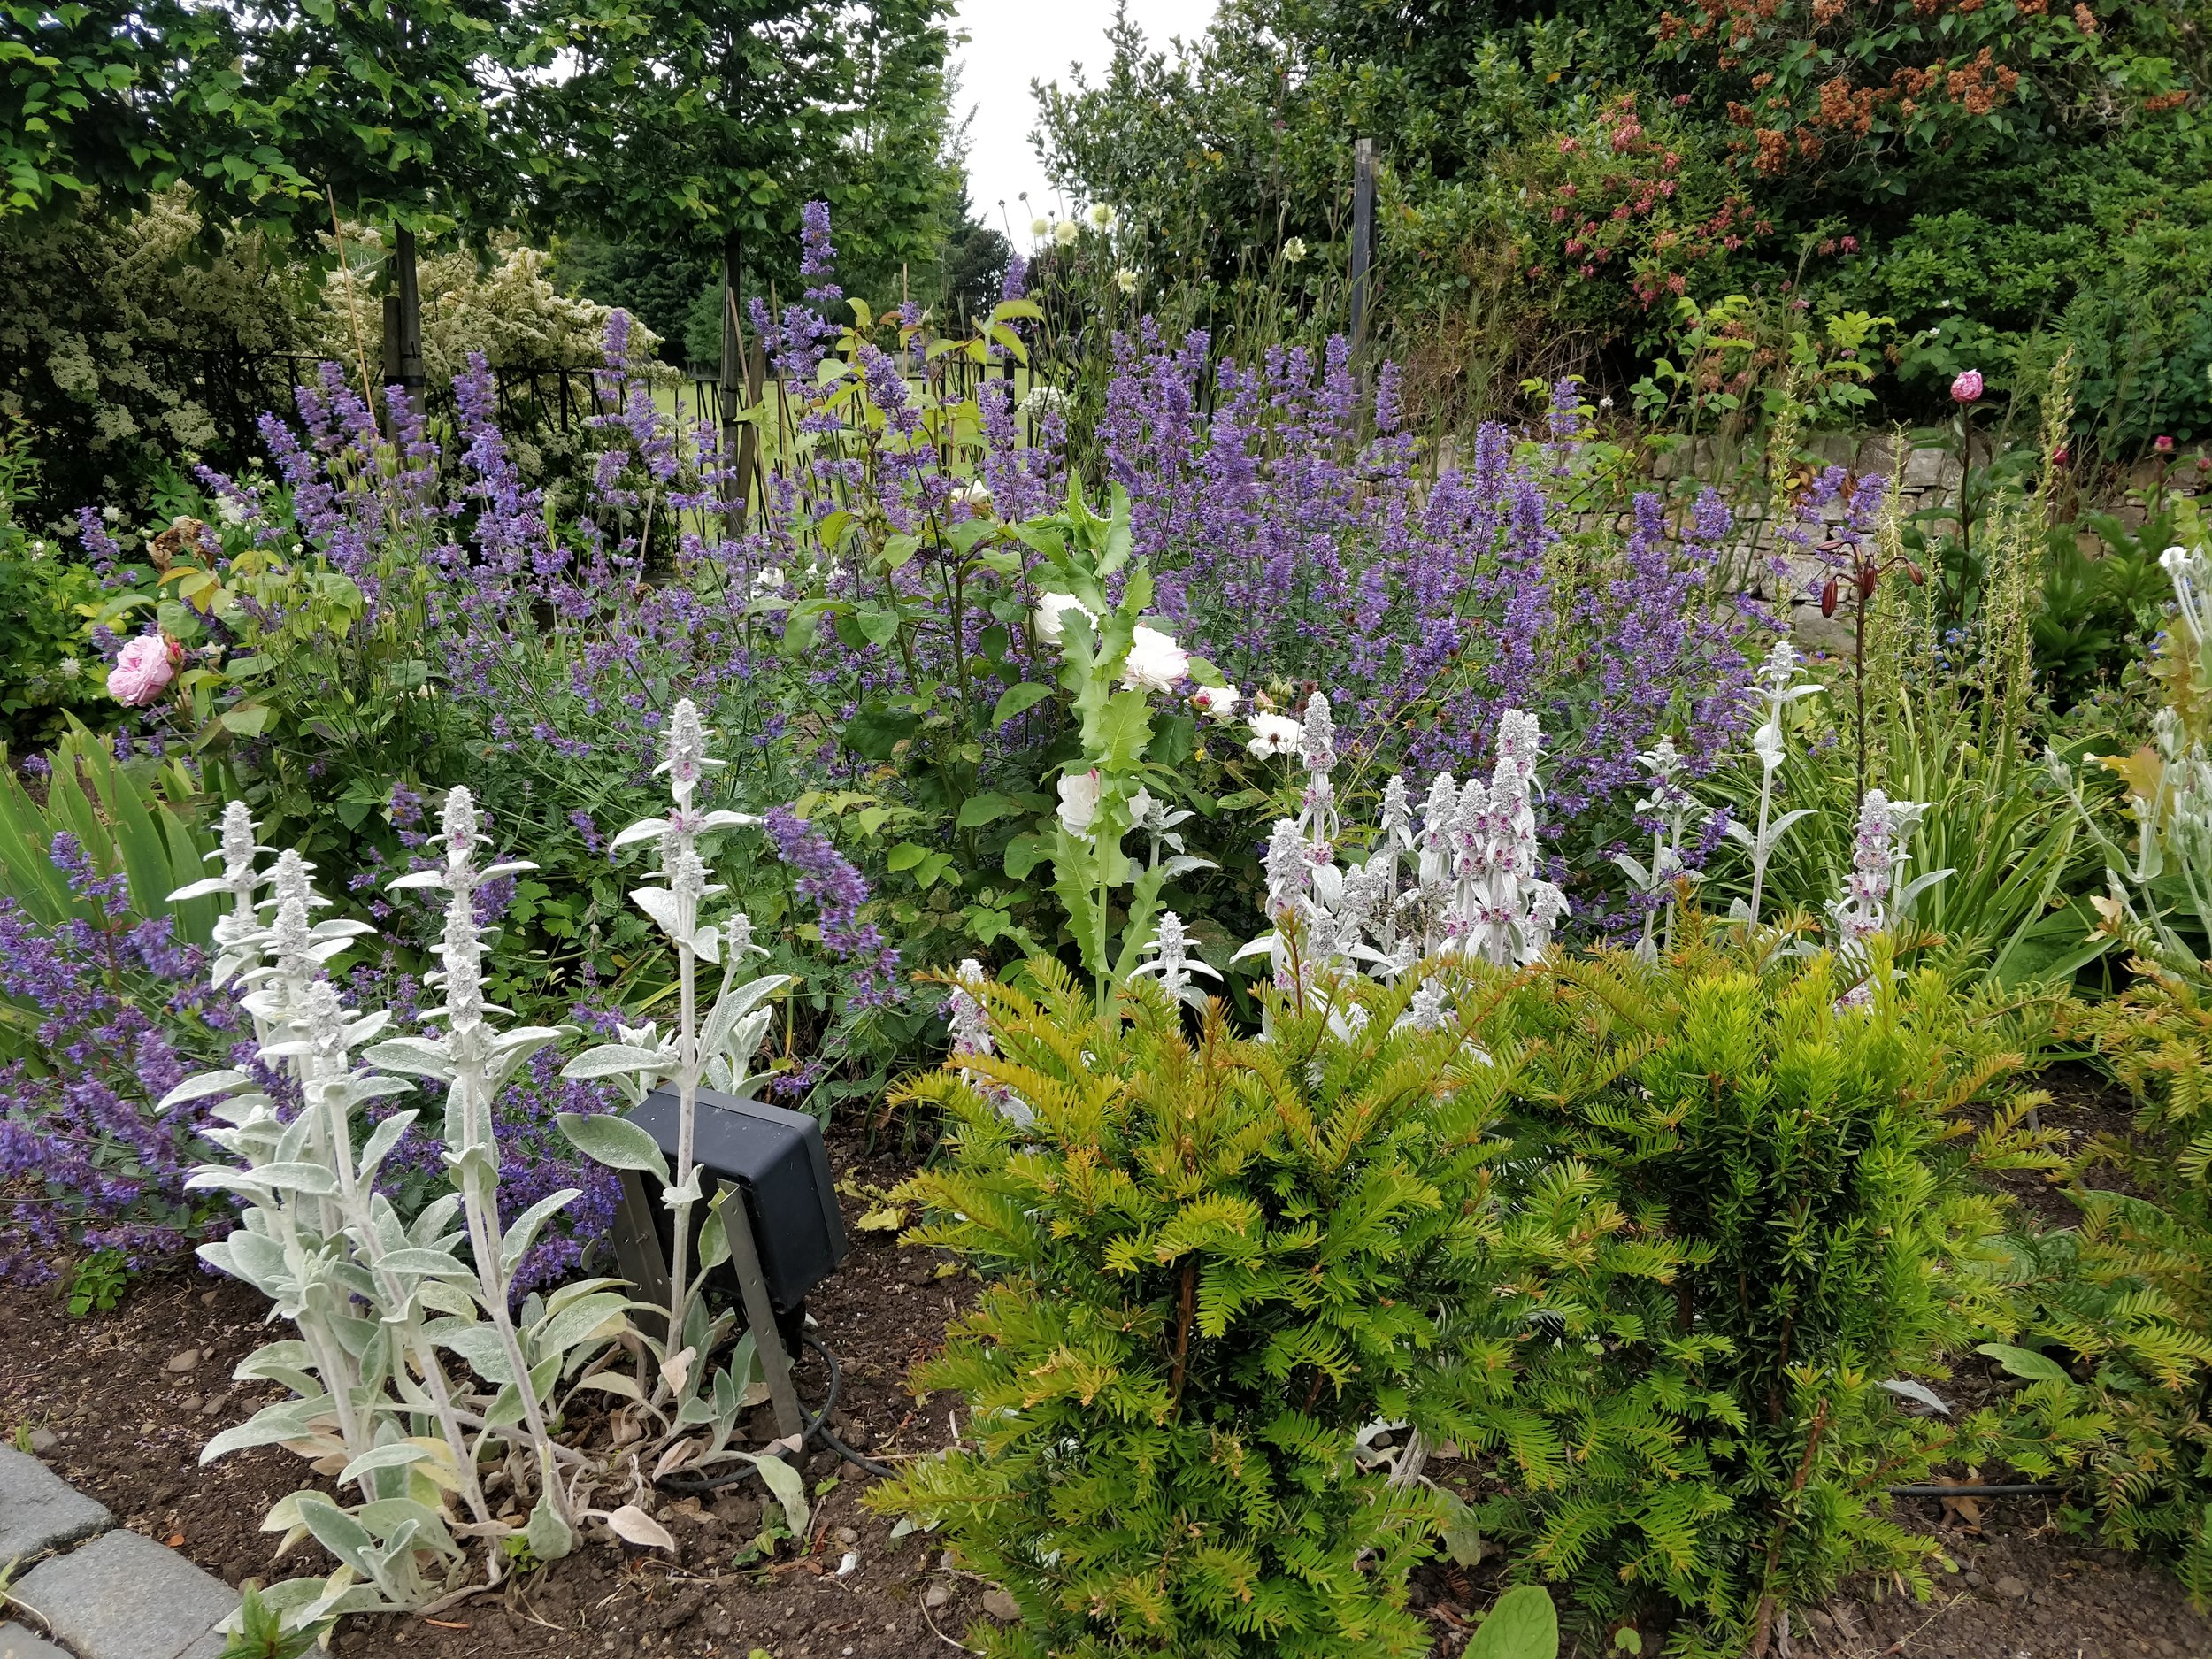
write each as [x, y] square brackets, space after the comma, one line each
[209, 1646]
[18, 1643]
[126, 1597]
[39, 1511]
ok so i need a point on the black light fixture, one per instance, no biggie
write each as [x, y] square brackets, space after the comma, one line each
[785, 1234]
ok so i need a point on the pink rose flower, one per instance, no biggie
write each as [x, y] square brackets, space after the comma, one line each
[1968, 387]
[143, 670]
[2164, 444]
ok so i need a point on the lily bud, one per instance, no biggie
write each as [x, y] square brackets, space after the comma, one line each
[1867, 577]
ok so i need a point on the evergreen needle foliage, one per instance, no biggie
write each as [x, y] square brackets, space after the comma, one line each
[1794, 1151]
[1211, 1261]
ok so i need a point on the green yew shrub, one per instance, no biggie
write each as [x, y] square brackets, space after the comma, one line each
[1209, 1262]
[1800, 1155]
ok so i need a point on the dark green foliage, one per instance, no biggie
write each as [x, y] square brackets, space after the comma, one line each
[2125, 1297]
[1210, 1262]
[1790, 1149]
[1975, 172]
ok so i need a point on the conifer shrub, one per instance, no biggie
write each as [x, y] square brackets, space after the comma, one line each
[1798, 1144]
[2114, 1351]
[1210, 1262]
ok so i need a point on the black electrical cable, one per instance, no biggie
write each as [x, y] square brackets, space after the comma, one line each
[816, 1427]
[2018, 1489]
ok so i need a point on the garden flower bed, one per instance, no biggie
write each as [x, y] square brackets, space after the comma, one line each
[1452, 1083]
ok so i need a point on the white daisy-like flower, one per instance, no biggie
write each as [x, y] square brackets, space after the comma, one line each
[1295, 251]
[1275, 735]
[1103, 216]
[1065, 232]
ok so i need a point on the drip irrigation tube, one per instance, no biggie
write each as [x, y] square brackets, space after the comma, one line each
[816, 1428]
[2016, 1489]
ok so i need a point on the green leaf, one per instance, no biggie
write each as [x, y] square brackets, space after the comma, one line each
[986, 809]
[1522, 1625]
[614, 1141]
[875, 731]
[2024, 1361]
[1018, 699]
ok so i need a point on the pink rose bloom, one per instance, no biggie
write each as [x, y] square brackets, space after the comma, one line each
[2162, 444]
[143, 670]
[1968, 387]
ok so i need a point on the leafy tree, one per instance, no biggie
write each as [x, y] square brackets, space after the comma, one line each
[704, 125]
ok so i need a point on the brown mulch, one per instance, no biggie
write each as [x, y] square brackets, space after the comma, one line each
[2085, 1106]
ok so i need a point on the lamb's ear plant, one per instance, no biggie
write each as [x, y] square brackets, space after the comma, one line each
[1210, 1263]
[384, 1306]
[698, 1408]
[1779, 686]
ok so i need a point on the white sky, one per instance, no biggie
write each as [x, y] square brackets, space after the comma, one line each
[1012, 42]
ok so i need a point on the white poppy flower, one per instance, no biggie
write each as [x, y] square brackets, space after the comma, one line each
[1078, 801]
[1050, 610]
[1155, 662]
[1275, 735]
[1220, 701]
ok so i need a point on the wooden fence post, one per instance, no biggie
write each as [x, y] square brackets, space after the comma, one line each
[1363, 239]
[408, 357]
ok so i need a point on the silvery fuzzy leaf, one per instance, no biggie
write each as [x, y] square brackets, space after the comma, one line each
[294, 1140]
[513, 1052]
[1328, 885]
[1635, 872]
[340, 1533]
[389, 1515]
[504, 868]
[326, 950]
[784, 1481]
[272, 1426]
[549, 1536]
[381, 1140]
[609, 1058]
[309, 1178]
[523, 1229]
[446, 1296]
[1739, 911]
[337, 927]
[1183, 865]
[476, 1342]
[201, 1086]
[688, 1193]
[412, 1055]
[1921, 1392]
[660, 904]
[1262, 945]
[640, 1530]
[647, 829]
[412, 1263]
[614, 1141]
[416, 878]
[1917, 886]
[733, 1003]
[744, 1042]
[721, 817]
[597, 1318]
[398, 1455]
[244, 1110]
[201, 889]
[355, 1090]
[436, 1216]
[1739, 832]
[1780, 826]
